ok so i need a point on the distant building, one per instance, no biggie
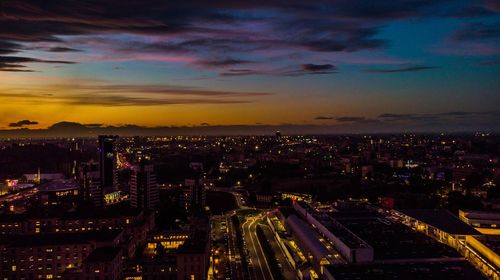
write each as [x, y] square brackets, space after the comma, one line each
[144, 191]
[278, 135]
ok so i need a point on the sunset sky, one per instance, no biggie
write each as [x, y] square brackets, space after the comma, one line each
[352, 64]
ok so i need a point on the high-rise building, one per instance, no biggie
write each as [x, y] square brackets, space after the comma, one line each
[144, 192]
[194, 196]
[107, 163]
[90, 183]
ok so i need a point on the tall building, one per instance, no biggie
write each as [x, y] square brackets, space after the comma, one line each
[144, 192]
[90, 183]
[194, 196]
[107, 163]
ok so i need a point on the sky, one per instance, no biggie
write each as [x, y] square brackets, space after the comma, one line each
[324, 66]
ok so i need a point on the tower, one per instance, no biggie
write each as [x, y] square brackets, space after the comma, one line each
[90, 183]
[144, 192]
[195, 192]
[107, 163]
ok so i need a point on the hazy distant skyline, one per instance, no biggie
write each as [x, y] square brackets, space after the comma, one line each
[319, 66]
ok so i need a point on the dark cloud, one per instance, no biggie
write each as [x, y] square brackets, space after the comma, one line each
[16, 63]
[401, 69]
[94, 124]
[222, 62]
[317, 67]
[204, 29]
[477, 32]
[293, 71]
[62, 49]
[22, 123]
[351, 119]
[207, 27]
[323, 118]
[7, 47]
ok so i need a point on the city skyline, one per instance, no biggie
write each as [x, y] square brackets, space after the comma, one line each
[233, 67]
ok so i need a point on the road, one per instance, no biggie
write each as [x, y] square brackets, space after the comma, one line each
[287, 270]
[233, 251]
[259, 269]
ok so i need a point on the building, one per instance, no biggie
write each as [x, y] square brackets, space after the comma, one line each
[50, 255]
[104, 263]
[480, 251]
[107, 163]
[144, 192]
[58, 192]
[90, 184]
[193, 257]
[432, 270]
[486, 222]
[309, 242]
[348, 244]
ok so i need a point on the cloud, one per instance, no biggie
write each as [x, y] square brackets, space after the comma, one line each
[477, 32]
[351, 119]
[104, 94]
[323, 118]
[290, 71]
[202, 29]
[241, 72]
[17, 63]
[62, 49]
[401, 69]
[222, 62]
[317, 67]
[22, 123]
[7, 47]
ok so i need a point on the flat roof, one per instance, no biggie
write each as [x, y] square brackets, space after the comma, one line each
[392, 240]
[436, 270]
[441, 219]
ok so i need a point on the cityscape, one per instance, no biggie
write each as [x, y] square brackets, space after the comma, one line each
[250, 140]
[408, 206]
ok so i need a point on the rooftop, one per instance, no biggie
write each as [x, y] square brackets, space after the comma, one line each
[437, 270]
[392, 240]
[441, 219]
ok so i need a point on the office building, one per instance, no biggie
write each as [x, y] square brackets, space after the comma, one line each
[144, 192]
[107, 163]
